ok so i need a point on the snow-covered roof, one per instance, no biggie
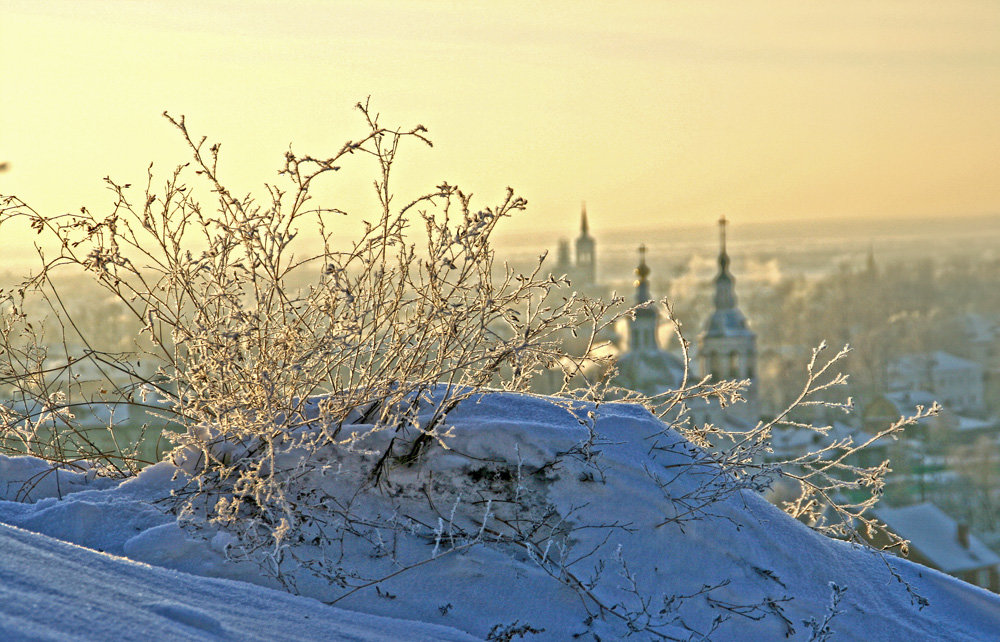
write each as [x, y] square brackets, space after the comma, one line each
[947, 361]
[975, 424]
[797, 441]
[906, 400]
[937, 360]
[934, 535]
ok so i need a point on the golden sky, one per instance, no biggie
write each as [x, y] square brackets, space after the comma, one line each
[654, 113]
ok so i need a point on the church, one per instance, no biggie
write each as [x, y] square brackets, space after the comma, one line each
[726, 348]
[644, 365]
[582, 272]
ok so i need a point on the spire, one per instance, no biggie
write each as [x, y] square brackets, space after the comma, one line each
[725, 297]
[871, 266]
[727, 348]
[586, 263]
[723, 256]
[642, 283]
[643, 325]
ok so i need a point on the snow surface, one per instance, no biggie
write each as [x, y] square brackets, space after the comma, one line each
[125, 568]
[53, 590]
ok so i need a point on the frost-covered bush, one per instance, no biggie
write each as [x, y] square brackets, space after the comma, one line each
[244, 321]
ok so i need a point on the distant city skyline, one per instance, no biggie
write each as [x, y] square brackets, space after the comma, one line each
[668, 114]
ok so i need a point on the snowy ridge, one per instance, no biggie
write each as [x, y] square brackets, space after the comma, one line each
[618, 534]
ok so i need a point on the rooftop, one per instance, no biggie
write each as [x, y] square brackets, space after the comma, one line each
[935, 535]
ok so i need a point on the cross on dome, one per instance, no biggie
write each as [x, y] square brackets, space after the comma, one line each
[643, 270]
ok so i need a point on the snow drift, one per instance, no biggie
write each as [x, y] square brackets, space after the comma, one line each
[538, 519]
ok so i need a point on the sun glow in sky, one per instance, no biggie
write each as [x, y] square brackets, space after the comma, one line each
[666, 113]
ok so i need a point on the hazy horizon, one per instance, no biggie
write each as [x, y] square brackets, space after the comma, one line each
[902, 235]
[889, 239]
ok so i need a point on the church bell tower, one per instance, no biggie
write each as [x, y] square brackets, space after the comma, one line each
[727, 347]
[586, 261]
[643, 328]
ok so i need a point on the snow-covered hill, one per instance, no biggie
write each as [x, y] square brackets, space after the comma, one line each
[612, 551]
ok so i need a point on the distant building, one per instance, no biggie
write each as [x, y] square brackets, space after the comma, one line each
[982, 344]
[727, 347]
[940, 542]
[644, 365]
[881, 411]
[583, 271]
[586, 257]
[939, 433]
[956, 383]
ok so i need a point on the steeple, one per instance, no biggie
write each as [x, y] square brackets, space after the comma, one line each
[586, 262]
[726, 320]
[871, 267]
[725, 296]
[643, 328]
[727, 349]
[642, 283]
[722, 239]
